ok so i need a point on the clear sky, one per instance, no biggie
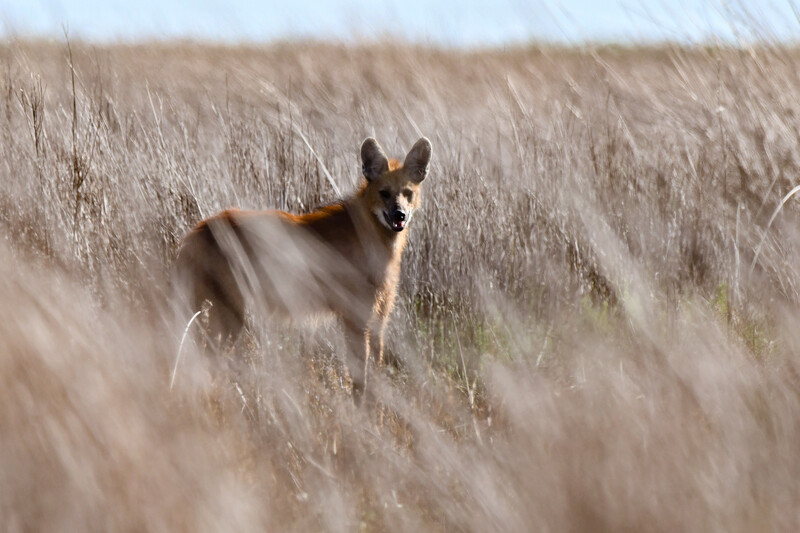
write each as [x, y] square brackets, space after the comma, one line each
[445, 22]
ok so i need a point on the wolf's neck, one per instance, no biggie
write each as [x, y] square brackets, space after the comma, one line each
[370, 228]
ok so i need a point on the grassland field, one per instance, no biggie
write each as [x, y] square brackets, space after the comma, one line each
[597, 327]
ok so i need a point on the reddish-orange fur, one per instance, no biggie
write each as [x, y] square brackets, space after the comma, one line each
[342, 259]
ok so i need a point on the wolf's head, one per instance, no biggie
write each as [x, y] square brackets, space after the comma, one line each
[393, 189]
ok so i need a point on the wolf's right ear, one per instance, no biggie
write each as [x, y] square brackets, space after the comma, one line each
[373, 160]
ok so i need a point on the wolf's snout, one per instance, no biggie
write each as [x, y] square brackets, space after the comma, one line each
[396, 220]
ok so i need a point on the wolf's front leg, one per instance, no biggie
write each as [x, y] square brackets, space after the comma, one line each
[375, 340]
[357, 359]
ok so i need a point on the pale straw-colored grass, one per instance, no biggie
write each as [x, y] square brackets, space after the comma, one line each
[578, 347]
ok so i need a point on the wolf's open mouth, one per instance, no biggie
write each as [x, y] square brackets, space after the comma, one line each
[395, 224]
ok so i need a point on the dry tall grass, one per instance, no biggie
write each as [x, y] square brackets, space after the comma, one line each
[587, 343]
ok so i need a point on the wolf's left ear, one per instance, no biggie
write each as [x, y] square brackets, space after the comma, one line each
[418, 159]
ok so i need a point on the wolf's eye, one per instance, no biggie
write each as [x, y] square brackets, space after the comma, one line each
[409, 194]
[384, 194]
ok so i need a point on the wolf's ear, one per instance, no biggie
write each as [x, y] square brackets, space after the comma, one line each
[373, 161]
[418, 159]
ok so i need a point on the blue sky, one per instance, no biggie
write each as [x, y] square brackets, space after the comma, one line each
[446, 22]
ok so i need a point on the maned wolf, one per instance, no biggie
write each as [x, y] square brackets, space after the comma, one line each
[342, 259]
